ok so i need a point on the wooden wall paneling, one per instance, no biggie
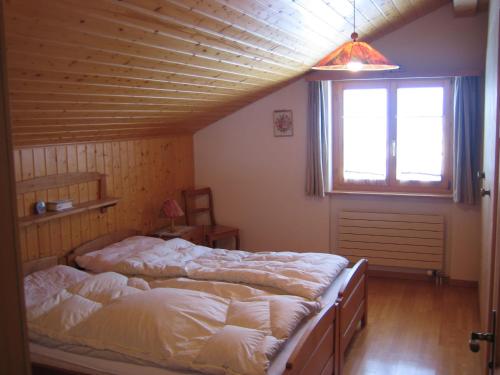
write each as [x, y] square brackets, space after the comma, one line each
[108, 170]
[83, 192]
[93, 190]
[117, 179]
[40, 170]
[132, 168]
[27, 170]
[140, 190]
[99, 167]
[151, 154]
[141, 183]
[62, 168]
[20, 204]
[124, 184]
[167, 171]
[53, 194]
[73, 190]
[155, 157]
[170, 171]
[183, 155]
[142, 172]
[150, 192]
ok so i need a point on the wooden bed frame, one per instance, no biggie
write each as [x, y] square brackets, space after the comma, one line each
[321, 350]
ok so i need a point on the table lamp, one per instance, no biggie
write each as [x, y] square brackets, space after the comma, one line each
[171, 210]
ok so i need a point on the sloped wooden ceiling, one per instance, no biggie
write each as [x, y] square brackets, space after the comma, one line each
[83, 70]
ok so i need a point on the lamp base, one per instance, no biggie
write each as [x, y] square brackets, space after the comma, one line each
[171, 227]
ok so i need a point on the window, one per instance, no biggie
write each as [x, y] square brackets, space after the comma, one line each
[392, 136]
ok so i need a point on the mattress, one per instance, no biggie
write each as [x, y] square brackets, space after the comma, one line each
[86, 360]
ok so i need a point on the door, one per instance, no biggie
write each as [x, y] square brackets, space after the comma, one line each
[489, 277]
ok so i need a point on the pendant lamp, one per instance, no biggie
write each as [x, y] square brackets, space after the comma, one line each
[355, 56]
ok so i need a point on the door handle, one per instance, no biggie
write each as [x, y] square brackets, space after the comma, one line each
[475, 337]
[483, 192]
[490, 337]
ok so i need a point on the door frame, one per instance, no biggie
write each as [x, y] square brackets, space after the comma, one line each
[14, 357]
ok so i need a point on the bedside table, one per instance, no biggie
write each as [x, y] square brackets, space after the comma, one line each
[191, 234]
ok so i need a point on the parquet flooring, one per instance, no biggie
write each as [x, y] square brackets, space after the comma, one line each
[416, 328]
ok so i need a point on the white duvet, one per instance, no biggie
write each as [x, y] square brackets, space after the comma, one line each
[212, 327]
[302, 274]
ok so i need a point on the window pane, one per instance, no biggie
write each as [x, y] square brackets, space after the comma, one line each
[365, 134]
[419, 134]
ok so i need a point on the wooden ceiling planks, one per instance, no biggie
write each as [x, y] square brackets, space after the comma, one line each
[114, 69]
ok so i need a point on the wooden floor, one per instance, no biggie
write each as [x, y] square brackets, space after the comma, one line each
[416, 328]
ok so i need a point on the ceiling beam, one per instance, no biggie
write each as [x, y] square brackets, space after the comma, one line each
[464, 8]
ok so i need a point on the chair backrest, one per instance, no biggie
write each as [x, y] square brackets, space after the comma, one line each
[193, 208]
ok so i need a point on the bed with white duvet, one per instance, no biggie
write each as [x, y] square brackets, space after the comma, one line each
[148, 319]
[306, 275]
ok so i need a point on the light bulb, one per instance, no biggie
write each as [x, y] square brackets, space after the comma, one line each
[354, 66]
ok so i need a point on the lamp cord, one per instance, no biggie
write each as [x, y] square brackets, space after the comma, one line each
[354, 35]
[354, 13]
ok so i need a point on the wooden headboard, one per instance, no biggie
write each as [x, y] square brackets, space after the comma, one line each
[98, 244]
[39, 264]
[69, 259]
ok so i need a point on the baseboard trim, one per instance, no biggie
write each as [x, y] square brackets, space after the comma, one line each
[421, 277]
[399, 275]
[461, 283]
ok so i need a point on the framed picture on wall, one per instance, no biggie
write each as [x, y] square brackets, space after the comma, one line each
[283, 123]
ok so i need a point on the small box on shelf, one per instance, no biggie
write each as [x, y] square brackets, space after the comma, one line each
[59, 205]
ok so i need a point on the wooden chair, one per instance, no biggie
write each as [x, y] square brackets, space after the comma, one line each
[212, 231]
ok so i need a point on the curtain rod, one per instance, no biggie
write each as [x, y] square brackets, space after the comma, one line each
[349, 76]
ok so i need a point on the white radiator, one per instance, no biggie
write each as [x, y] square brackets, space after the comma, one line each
[390, 239]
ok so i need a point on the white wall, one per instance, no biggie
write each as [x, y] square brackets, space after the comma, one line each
[438, 41]
[258, 180]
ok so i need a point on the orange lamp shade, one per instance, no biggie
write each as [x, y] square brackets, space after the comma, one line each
[171, 209]
[355, 56]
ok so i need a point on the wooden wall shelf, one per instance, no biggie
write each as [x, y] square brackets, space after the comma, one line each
[56, 181]
[103, 204]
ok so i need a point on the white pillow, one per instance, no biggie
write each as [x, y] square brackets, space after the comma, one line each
[66, 315]
[35, 311]
[104, 287]
[99, 283]
[103, 260]
[44, 284]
